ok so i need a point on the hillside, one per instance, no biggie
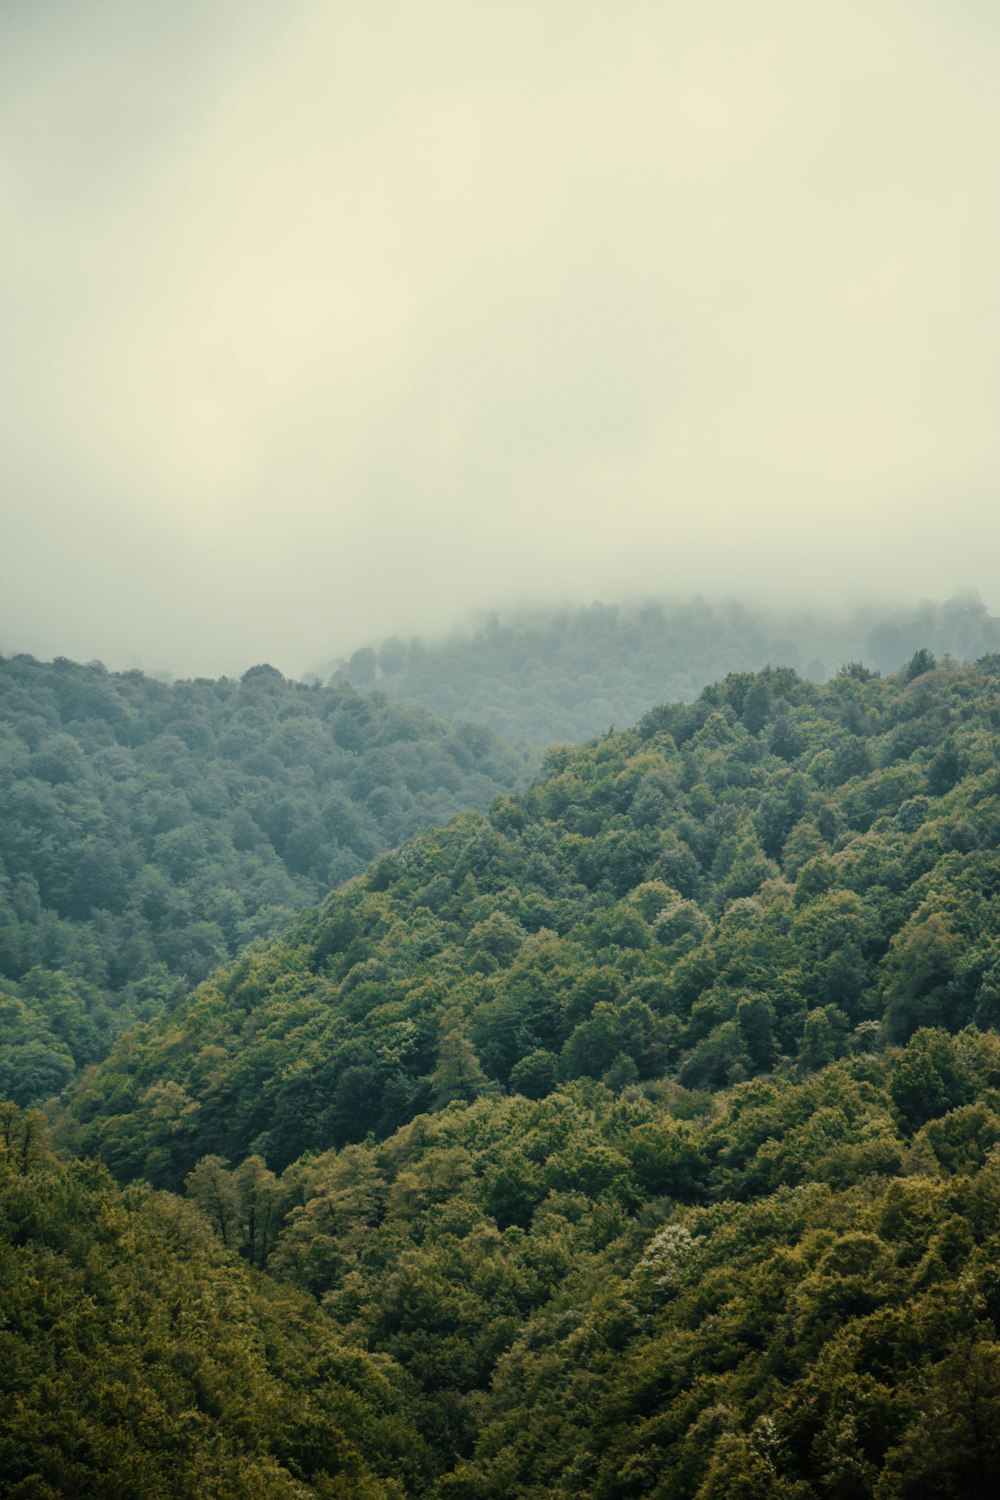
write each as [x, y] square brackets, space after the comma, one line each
[140, 1360]
[551, 675]
[148, 832]
[778, 871]
[646, 1128]
[792, 1292]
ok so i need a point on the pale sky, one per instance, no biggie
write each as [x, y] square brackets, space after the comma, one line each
[323, 321]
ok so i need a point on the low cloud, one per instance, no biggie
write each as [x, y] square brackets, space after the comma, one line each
[328, 321]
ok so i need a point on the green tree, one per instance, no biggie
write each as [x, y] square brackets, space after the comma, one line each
[458, 1074]
[929, 1078]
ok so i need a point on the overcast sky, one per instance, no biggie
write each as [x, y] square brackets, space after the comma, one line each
[322, 321]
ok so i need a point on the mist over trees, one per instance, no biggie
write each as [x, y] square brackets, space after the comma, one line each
[567, 674]
[557, 1059]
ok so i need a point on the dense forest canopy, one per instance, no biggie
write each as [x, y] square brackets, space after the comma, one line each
[548, 675]
[140, 1360]
[638, 1137]
[787, 1289]
[780, 870]
[148, 832]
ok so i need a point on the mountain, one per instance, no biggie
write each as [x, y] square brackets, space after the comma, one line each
[149, 831]
[550, 675]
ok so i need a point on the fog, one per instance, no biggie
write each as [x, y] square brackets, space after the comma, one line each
[324, 321]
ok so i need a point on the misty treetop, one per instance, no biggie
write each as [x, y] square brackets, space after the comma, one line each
[773, 877]
[149, 831]
[552, 675]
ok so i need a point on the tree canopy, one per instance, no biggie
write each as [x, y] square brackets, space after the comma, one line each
[772, 877]
[150, 831]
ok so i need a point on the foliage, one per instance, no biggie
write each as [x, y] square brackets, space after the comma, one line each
[140, 1359]
[609, 1301]
[584, 1295]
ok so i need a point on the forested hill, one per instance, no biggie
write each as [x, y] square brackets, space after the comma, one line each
[148, 832]
[779, 874]
[637, 1140]
[641, 1137]
[567, 675]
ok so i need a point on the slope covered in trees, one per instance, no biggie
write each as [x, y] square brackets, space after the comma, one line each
[793, 1293]
[780, 871]
[554, 675]
[139, 1360]
[790, 1290]
[148, 832]
[643, 1134]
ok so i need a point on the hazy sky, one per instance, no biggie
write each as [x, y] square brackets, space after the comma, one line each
[325, 320]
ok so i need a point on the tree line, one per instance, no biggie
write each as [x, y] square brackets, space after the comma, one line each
[568, 674]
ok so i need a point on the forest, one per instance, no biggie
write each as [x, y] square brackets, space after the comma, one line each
[634, 1134]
